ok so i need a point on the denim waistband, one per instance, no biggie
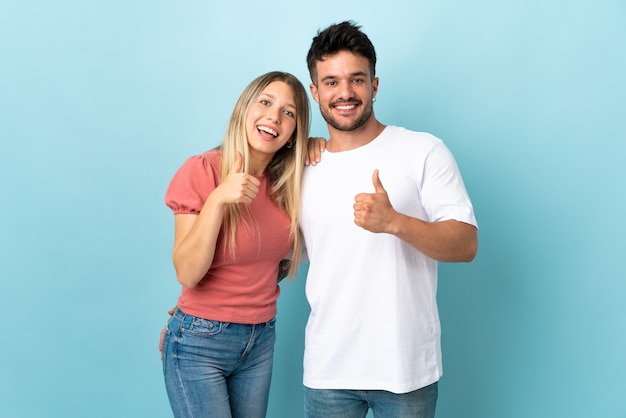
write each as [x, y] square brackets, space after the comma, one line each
[180, 315]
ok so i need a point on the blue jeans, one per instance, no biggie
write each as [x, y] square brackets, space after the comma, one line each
[325, 403]
[217, 369]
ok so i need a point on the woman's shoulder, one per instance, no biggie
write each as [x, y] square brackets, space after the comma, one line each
[209, 160]
[193, 181]
[210, 156]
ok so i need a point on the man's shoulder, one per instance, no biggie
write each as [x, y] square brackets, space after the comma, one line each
[404, 137]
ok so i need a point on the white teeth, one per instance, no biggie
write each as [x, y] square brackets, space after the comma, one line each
[345, 107]
[268, 130]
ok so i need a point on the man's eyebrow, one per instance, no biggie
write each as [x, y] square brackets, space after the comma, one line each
[332, 77]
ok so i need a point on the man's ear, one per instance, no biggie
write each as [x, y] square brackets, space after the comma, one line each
[316, 96]
[374, 86]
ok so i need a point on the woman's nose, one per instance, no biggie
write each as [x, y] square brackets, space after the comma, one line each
[273, 116]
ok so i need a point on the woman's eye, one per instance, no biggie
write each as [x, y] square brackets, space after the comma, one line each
[289, 113]
[265, 102]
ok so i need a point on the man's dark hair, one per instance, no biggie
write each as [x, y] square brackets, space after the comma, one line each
[345, 36]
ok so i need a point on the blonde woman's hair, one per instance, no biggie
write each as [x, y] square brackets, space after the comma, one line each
[284, 172]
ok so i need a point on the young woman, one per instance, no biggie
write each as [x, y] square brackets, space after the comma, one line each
[236, 217]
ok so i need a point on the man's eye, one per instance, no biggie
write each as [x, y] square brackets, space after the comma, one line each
[358, 80]
[331, 83]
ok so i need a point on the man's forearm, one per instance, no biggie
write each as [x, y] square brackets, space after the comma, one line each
[448, 241]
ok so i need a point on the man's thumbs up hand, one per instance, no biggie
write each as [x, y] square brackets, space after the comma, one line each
[373, 211]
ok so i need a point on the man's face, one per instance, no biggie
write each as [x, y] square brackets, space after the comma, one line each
[345, 90]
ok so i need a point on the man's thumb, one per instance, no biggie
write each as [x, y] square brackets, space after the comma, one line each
[378, 186]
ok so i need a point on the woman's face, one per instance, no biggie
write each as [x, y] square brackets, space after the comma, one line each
[271, 120]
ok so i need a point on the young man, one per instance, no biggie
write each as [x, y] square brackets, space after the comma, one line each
[379, 211]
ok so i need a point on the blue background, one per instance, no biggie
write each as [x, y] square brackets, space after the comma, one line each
[101, 101]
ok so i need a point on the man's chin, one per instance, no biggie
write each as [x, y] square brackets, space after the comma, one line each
[347, 126]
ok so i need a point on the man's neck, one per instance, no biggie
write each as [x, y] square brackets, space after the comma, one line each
[347, 140]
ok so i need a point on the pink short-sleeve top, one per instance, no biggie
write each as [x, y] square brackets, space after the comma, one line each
[243, 288]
